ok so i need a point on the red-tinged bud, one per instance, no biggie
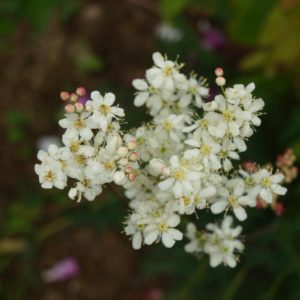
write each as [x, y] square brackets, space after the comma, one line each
[134, 156]
[79, 107]
[220, 81]
[131, 145]
[64, 96]
[279, 209]
[80, 91]
[128, 169]
[260, 203]
[249, 166]
[219, 71]
[69, 108]
[132, 176]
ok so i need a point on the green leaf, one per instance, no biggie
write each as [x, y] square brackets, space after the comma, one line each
[171, 8]
[248, 19]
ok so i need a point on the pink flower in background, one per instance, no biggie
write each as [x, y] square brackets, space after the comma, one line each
[65, 269]
[212, 38]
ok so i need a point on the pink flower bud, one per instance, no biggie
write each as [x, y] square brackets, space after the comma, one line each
[132, 176]
[80, 91]
[128, 169]
[133, 156]
[69, 108]
[279, 209]
[131, 145]
[219, 71]
[220, 81]
[79, 107]
[64, 96]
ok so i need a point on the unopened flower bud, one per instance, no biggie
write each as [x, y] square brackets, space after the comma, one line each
[133, 156]
[73, 97]
[123, 161]
[79, 107]
[128, 169]
[131, 145]
[220, 81]
[132, 176]
[279, 209]
[80, 91]
[219, 71]
[69, 108]
[119, 177]
[165, 171]
[64, 96]
[122, 151]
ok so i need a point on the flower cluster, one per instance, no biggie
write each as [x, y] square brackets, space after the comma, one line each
[221, 243]
[94, 151]
[179, 163]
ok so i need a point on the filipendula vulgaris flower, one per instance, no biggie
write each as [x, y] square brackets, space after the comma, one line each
[94, 152]
[178, 165]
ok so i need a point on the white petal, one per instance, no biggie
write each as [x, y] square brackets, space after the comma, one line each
[173, 221]
[158, 59]
[151, 237]
[141, 99]
[137, 240]
[219, 206]
[266, 195]
[240, 213]
[140, 84]
[278, 189]
[167, 240]
[166, 184]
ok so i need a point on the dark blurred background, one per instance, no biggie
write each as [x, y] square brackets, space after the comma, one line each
[50, 45]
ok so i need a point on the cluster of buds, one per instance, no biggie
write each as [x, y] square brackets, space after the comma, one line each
[75, 101]
[220, 80]
[285, 163]
[127, 155]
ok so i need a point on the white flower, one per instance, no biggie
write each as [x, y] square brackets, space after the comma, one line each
[268, 184]
[78, 125]
[103, 111]
[165, 74]
[50, 172]
[222, 244]
[181, 178]
[164, 230]
[232, 196]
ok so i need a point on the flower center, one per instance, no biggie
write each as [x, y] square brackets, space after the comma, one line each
[163, 226]
[167, 71]
[80, 159]
[108, 165]
[74, 146]
[228, 116]
[249, 180]
[168, 125]
[232, 200]
[186, 200]
[178, 174]
[203, 123]
[205, 149]
[79, 123]
[266, 182]
[50, 176]
[104, 109]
